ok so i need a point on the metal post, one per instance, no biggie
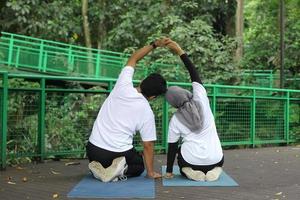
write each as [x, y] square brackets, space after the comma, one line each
[287, 117]
[45, 62]
[4, 120]
[253, 114]
[10, 51]
[70, 60]
[17, 57]
[165, 121]
[98, 66]
[214, 101]
[41, 56]
[41, 120]
[271, 80]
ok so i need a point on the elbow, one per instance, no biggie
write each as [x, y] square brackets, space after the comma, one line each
[132, 61]
[148, 145]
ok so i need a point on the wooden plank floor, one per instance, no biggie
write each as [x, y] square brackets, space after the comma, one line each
[262, 173]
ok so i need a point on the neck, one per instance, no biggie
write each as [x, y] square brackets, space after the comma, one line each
[138, 89]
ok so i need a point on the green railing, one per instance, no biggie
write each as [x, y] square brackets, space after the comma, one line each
[39, 120]
[56, 58]
[262, 78]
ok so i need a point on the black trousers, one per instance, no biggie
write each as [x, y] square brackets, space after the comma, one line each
[133, 159]
[204, 168]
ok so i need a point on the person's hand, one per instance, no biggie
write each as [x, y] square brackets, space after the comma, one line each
[169, 175]
[162, 42]
[153, 175]
[172, 45]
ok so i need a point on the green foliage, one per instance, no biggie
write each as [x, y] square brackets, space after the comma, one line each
[199, 26]
[203, 29]
[295, 121]
[68, 121]
[262, 39]
[55, 20]
[22, 120]
[211, 55]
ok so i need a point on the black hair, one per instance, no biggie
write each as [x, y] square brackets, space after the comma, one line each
[153, 85]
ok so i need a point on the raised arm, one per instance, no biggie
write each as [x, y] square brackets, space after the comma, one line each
[185, 59]
[141, 53]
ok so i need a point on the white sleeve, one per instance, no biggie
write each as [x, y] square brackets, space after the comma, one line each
[148, 129]
[125, 77]
[173, 133]
[199, 91]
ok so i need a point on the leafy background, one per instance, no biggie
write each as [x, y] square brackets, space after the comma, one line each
[205, 29]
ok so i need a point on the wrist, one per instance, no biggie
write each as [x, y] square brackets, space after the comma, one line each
[153, 44]
[180, 52]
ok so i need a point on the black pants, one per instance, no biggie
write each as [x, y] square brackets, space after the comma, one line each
[204, 168]
[133, 159]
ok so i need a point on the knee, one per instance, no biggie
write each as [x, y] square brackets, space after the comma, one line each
[140, 170]
[136, 170]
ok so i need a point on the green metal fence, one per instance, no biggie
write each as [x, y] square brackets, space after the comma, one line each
[45, 56]
[40, 120]
[56, 58]
[261, 78]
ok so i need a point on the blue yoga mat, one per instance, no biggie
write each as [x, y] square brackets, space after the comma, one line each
[136, 187]
[178, 180]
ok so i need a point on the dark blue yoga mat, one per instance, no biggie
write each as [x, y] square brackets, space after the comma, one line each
[136, 187]
[178, 180]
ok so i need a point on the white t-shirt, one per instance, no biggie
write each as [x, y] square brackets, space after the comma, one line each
[123, 113]
[203, 148]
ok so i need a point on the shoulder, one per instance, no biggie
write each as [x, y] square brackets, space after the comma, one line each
[199, 87]
[199, 92]
[125, 77]
[173, 119]
[146, 109]
[174, 122]
[127, 69]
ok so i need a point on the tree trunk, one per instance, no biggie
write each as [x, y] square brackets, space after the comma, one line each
[87, 35]
[239, 24]
[102, 34]
[86, 26]
[230, 15]
[282, 24]
[102, 29]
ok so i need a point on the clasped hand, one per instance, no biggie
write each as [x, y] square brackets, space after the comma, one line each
[172, 45]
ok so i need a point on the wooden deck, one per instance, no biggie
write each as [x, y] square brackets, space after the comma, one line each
[262, 173]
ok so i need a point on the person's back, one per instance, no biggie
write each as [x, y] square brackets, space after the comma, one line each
[200, 147]
[200, 156]
[123, 113]
[126, 111]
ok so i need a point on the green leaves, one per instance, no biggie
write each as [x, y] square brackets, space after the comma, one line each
[199, 26]
[262, 39]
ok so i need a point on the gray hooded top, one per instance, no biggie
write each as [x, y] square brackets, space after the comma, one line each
[188, 111]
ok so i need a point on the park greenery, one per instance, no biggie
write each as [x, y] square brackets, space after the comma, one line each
[205, 29]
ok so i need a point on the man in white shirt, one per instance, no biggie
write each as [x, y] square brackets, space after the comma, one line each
[126, 111]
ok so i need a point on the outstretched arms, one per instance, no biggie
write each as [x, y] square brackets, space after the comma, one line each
[141, 53]
[185, 59]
